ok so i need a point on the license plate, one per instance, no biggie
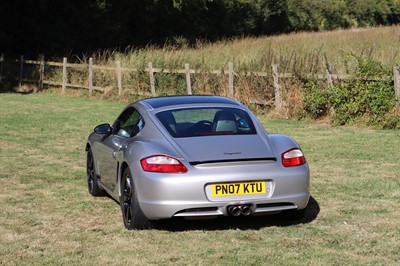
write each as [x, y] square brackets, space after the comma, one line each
[237, 189]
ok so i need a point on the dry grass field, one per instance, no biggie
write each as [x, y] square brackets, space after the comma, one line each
[299, 53]
[305, 52]
[47, 216]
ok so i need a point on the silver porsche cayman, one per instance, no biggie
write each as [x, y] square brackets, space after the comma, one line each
[194, 157]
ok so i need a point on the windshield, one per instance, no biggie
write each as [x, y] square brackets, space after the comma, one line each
[196, 122]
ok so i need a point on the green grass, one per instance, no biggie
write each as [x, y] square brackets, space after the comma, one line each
[48, 218]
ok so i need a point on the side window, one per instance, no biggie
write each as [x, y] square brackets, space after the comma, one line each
[129, 123]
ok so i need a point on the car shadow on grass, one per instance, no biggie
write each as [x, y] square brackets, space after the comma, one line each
[241, 223]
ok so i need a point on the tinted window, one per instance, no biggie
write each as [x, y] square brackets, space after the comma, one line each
[206, 121]
[129, 123]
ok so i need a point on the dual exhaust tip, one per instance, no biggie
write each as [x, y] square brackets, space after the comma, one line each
[236, 210]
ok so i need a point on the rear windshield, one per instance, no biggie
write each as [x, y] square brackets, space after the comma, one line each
[196, 122]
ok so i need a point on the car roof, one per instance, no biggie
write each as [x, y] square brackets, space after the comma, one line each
[187, 99]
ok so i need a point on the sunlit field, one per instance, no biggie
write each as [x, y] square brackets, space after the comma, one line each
[304, 52]
[47, 217]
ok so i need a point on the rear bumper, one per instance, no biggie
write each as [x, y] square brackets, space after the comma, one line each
[162, 210]
[163, 196]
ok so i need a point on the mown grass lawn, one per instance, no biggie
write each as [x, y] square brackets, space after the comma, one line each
[48, 218]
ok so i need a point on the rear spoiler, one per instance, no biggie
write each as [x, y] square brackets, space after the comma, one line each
[233, 160]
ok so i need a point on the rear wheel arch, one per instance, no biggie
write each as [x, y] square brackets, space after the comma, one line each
[124, 165]
[121, 171]
[282, 143]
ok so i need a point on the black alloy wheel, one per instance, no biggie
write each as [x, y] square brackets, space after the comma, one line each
[92, 182]
[132, 215]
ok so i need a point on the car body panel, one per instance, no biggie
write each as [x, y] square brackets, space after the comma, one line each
[217, 159]
[231, 148]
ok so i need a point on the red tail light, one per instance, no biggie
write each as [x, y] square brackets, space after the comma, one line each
[293, 157]
[162, 164]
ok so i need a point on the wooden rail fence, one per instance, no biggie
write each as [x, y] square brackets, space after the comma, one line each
[187, 71]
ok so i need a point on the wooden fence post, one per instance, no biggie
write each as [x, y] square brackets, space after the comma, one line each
[396, 80]
[152, 80]
[329, 75]
[64, 81]
[41, 71]
[231, 91]
[119, 78]
[188, 81]
[21, 70]
[90, 77]
[275, 75]
[1, 66]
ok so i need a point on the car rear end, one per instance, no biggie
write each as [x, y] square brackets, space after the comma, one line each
[219, 170]
[210, 189]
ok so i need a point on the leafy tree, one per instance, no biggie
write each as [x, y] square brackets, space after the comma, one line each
[369, 12]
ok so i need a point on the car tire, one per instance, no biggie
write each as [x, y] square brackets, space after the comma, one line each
[132, 215]
[91, 176]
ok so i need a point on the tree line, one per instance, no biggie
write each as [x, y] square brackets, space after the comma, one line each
[62, 27]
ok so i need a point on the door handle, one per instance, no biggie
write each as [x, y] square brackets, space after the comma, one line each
[114, 154]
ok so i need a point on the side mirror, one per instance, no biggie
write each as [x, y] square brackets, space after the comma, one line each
[103, 129]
